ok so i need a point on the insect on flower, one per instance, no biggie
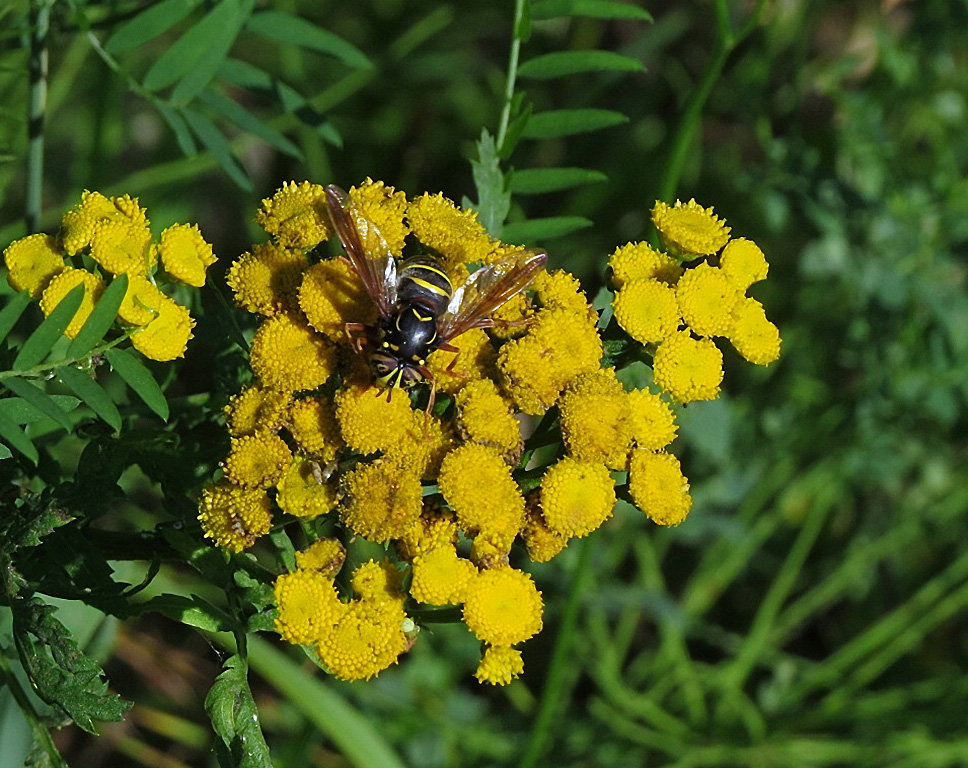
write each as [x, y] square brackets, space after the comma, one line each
[419, 310]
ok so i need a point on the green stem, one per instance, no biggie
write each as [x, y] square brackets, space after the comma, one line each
[513, 57]
[43, 369]
[554, 690]
[36, 109]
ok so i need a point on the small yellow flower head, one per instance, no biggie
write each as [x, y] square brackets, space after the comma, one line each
[78, 224]
[434, 528]
[640, 261]
[688, 369]
[367, 638]
[257, 408]
[121, 246]
[560, 290]
[296, 215]
[326, 555]
[576, 497]
[33, 261]
[512, 317]
[423, 446]
[184, 254]
[383, 500]
[142, 301]
[288, 355]
[658, 487]
[62, 284]
[490, 551]
[541, 542]
[440, 577]
[332, 295]
[302, 492]
[371, 422]
[234, 517]
[308, 606]
[476, 360]
[478, 486]
[378, 580]
[267, 280]
[499, 665]
[257, 461]
[167, 335]
[647, 310]
[688, 229]
[385, 207]
[755, 337]
[484, 417]
[502, 606]
[652, 420]
[706, 299]
[451, 231]
[594, 419]
[314, 427]
[743, 263]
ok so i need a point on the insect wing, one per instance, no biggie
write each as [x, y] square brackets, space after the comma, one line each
[486, 290]
[366, 249]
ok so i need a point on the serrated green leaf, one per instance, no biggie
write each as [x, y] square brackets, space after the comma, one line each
[148, 24]
[293, 30]
[218, 145]
[11, 313]
[562, 63]
[566, 122]
[594, 9]
[493, 200]
[101, 318]
[15, 437]
[187, 51]
[39, 343]
[19, 411]
[186, 142]
[248, 122]
[91, 393]
[39, 399]
[533, 181]
[235, 718]
[139, 378]
[543, 229]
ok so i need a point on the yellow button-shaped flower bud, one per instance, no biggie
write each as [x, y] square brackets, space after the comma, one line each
[288, 355]
[308, 606]
[688, 229]
[326, 555]
[451, 231]
[255, 408]
[652, 420]
[122, 246]
[594, 419]
[234, 517]
[184, 254]
[33, 261]
[706, 299]
[62, 284]
[440, 577]
[640, 261]
[166, 336]
[658, 487]
[476, 360]
[647, 310]
[302, 492]
[743, 263]
[385, 208]
[483, 416]
[382, 500]
[576, 497]
[314, 427]
[371, 421]
[688, 369]
[331, 295]
[257, 461]
[266, 280]
[502, 606]
[377, 580]
[296, 215]
[367, 638]
[755, 337]
[499, 665]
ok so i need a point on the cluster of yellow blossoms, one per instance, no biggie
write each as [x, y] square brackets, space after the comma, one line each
[111, 236]
[451, 492]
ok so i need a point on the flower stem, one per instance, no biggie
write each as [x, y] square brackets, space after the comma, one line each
[36, 109]
[502, 129]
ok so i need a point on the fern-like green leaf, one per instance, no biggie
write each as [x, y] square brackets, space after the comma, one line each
[218, 145]
[556, 123]
[91, 393]
[19, 411]
[535, 230]
[100, 320]
[39, 399]
[11, 313]
[148, 24]
[139, 378]
[248, 122]
[493, 200]
[186, 142]
[235, 718]
[594, 9]
[534, 181]
[39, 343]
[15, 437]
[561, 63]
[293, 30]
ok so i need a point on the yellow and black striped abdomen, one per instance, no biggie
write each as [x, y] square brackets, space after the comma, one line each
[423, 282]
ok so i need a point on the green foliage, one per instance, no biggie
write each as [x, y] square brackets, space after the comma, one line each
[235, 718]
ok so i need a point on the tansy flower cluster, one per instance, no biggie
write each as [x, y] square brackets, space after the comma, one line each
[104, 237]
[455, 492]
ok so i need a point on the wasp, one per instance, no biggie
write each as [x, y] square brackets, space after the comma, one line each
[419, 309]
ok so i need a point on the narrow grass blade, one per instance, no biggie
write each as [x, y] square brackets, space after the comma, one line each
[248, 122]
[101, 318]
[139, 378]
[92, 394]
[292, 30]
[39, 343]
[556, 123]
[561, 63]
[218, 145]
[186, 142]
[39, 399]
[148, 24]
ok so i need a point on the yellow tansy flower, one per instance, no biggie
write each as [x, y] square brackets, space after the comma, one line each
[302, 493]
[646, 310]
[371, 421]
[378, 580]
[502, 606]
[755, 337]
[434, 528]
[476, 360]
[484, 417]
[658, 487]
[256, 408]
[576, 497]
[640, 261]
[490, 551]
[706, 299]
[257, 461]
[234, 517]
[539, 539]
[33, 261]
[560, 290]
[382, 500]
[511, 318]
[440, 577]
[62, 284]
[652, 420]
[688, 229]
[594, 419]
[267, 280]
[79, 223]
[451, 231]
[423, 446]
[142, 301]
[314, 427]
[688, 369]
[743, 263]
[296, 215]
[332, 295]
[367, 638]
[168, 333]
[308, 606]
[288, 355]
[184, 254]
[122, 246]
[499, 665]
[326, 555]
[385, 208]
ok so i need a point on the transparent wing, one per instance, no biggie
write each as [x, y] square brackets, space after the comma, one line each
[367, 251]
[488, 288]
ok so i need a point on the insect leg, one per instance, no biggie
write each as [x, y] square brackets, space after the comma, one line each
[356, 336]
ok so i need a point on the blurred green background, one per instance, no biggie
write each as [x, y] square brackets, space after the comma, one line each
[811, 611]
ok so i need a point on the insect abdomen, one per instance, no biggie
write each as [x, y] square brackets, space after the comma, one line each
[424, 283]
